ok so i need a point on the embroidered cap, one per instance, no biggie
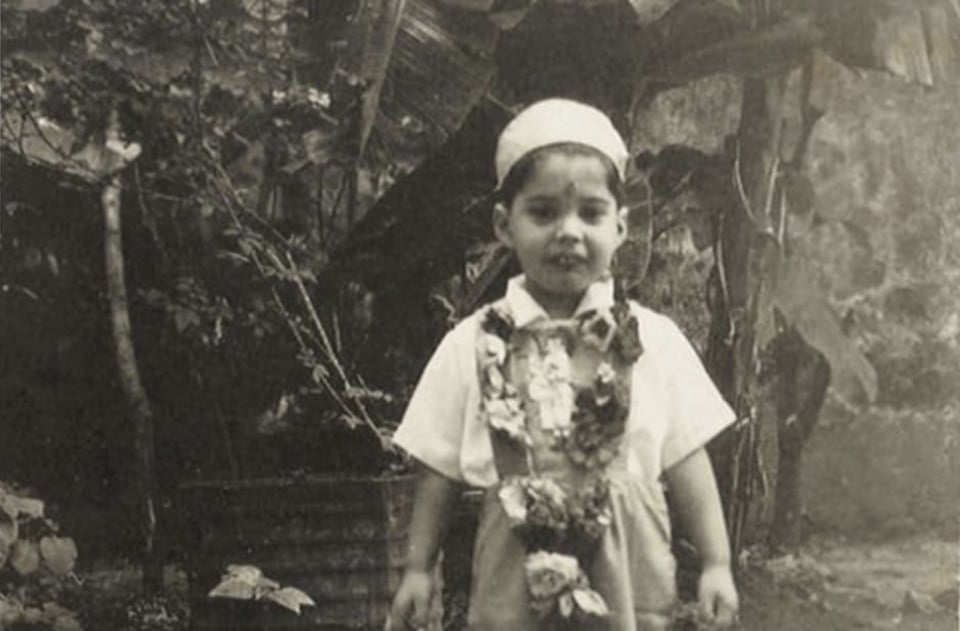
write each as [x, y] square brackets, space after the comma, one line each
[556, 121]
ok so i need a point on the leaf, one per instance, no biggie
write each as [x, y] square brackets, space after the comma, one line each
[24, 557]
[106, 159]
[67, 622]
[8, 535]
[248, 573]
[763, 52]
[34, 5]
[6, 505]
[26, 506]
[649, 11]
[52, 610]
[633, 256]
[320, 144]
[38, 139]
[59, 554]
[235, 588]
[854, 379]
[352, 421]
[11, 611]
[383, 22]
[590, 602]
[917, 41]
[290, 598]
[33, 615]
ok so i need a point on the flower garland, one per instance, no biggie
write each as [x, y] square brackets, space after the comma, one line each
[560, 528]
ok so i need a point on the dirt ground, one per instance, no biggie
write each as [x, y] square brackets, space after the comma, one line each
[829, 585]
[909, 585]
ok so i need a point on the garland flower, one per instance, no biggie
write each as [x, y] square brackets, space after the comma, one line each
[559, 588]
[559, 527]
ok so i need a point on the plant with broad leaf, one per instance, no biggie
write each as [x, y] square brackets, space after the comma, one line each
[247, 582]
[31, 548]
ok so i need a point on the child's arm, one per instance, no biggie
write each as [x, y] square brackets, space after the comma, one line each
[432, 506]
[694, 492]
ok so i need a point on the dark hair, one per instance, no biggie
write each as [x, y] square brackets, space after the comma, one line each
[519, 173]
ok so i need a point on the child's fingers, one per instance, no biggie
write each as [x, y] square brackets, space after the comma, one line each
[726, 614]
[421, 608]
[396, 619]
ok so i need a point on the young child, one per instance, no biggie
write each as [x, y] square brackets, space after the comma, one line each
[571, 407]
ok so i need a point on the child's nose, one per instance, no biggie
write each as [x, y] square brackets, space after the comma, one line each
[569, 228]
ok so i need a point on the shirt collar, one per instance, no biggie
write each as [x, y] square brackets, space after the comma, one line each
[525, 309]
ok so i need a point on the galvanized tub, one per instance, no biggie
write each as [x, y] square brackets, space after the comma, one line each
[342, 540]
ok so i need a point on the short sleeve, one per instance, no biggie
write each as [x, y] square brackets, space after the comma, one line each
[432, 427]
[696, 412]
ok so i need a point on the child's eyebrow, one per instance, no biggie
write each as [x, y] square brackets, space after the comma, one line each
[543, 197]
[546, 197]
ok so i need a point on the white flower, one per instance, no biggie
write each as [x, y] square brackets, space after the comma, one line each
[495, 380]
[513, 498]
[549, 574]
[606, 374]
[506, 415]
[493, 350]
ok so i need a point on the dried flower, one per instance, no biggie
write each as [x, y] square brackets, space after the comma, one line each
[597, 330]
[506, 414]
[493, 350]
[626, 343]
[549, 574]
[499, 322]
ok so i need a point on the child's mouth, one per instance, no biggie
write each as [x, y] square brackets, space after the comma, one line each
[566, 261]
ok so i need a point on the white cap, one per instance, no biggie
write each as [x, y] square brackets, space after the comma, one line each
[555, 121]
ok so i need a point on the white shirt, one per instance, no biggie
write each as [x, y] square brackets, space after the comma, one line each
[674, 406]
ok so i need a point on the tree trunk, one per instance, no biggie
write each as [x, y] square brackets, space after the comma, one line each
[786, 529]
[735, 286]
[129, 373]
[801, 379]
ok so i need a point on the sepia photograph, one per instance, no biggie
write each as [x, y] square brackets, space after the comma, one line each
[479, 315]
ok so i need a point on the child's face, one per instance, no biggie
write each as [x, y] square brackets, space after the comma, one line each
[564, 225]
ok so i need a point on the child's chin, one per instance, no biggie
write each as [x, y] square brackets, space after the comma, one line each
[572, 284]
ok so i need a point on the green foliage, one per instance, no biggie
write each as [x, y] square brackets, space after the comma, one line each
[31, 553]
[247, 582]
[241, 116]
[913, 40]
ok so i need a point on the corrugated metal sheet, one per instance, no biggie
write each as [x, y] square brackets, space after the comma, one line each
[341, 540]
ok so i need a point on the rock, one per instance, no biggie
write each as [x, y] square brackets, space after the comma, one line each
[915, 602]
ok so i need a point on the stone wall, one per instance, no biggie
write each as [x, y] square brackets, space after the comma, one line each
[882, 242]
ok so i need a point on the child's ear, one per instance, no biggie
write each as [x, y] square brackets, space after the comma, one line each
[501, 224]
[622, 226]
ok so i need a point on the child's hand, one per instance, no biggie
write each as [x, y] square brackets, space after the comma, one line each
[411, 605]
[718, 596]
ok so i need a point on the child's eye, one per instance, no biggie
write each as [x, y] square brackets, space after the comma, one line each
[592, 214]
[542, 212]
